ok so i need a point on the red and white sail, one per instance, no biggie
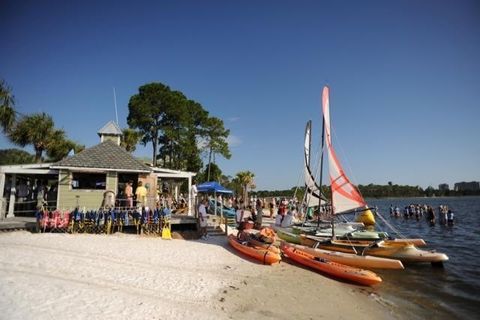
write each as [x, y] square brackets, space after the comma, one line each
[312, 189]
[345, 196]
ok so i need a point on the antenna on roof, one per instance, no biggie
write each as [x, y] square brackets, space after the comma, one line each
[115, 102]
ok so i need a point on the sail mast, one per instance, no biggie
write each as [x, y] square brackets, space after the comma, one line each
[321, 169]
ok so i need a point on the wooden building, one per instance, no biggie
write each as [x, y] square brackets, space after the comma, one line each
[84, 179]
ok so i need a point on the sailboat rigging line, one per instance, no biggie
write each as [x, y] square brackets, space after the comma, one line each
[298, 183]
[321, 162]
[353, 247]
[396, 231]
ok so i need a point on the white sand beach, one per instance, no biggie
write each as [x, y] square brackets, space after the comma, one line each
[123, 276]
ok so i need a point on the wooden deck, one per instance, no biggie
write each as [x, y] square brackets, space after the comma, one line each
[18, 223]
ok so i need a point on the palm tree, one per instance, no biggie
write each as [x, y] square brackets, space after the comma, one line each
[61, 147]
[38, 130]
[7, 111]
[130, 139]
[245, 178]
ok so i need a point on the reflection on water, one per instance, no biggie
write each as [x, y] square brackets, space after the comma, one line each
[449, 292]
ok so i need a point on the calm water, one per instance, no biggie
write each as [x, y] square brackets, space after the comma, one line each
[438, 293]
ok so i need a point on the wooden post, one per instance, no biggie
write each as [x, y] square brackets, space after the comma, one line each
[2, 187]
[11, 206]
[189, 213]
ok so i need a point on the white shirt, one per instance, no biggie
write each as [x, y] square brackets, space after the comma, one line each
[239, 215]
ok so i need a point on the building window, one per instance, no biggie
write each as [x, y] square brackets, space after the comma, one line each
[82, 180]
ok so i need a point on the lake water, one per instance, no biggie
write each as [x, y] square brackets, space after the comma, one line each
[451, 292]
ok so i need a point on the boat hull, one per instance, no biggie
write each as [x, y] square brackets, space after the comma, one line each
[263, 255]
[310, 241]
[287, 236]
[354, 260]
[337, 270]
[405, 252]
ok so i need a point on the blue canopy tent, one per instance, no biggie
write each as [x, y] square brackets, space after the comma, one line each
[214, 187]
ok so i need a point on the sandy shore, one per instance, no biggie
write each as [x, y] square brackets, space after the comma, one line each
[121, 276]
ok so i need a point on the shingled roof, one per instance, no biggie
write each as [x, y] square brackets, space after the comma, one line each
[106, 155]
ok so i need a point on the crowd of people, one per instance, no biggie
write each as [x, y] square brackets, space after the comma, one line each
[253, 212]
[31, 194]
[418, 211]
[140, 198]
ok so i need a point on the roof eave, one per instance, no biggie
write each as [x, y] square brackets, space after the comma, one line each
[71, 168]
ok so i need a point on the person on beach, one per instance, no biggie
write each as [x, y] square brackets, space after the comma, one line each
[202, 216]
[259, 211]
[241, 223]
[129, 194]
[239, 216]
[272, 206]
[287, 219]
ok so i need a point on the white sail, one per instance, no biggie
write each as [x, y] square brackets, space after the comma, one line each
[345, 196]
[312, 188]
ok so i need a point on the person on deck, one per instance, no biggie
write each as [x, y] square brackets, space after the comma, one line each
[141, 194]
[41, 194]
[129, 194]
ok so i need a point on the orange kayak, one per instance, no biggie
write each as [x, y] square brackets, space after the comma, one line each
[263, 255]
[360, 276]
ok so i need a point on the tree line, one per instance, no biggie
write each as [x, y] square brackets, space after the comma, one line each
[372, 191]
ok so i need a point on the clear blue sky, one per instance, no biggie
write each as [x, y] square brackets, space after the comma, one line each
[404, 77]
